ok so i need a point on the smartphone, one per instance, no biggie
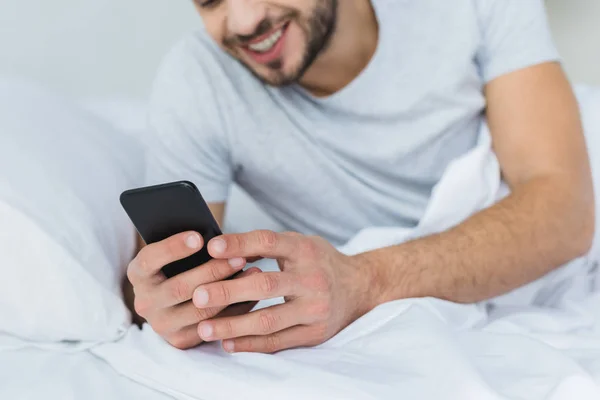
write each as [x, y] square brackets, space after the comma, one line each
[159, 212]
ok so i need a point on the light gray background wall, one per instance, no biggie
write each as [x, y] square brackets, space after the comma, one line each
[91, 47]
[112, 47]
[576, 26]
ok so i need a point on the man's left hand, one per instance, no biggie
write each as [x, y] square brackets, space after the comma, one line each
[324, 291]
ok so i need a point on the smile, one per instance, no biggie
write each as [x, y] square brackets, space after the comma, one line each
[269, 47]
[267, 43]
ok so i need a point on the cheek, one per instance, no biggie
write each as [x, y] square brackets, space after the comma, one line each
[295, 45]
[214, 28]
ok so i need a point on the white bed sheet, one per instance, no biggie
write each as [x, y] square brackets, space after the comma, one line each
[31, 373]
[413, 349]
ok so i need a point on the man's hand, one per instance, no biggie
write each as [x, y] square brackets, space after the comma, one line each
[166, 303]
[324, 291]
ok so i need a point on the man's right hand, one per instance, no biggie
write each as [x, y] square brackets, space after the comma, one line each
[166, 303]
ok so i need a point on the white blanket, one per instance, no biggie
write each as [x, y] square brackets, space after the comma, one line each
[32, 373]
[540, 342]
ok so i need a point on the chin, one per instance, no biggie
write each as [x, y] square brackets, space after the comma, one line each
[280, 78]
[283, 71]
[287, 74]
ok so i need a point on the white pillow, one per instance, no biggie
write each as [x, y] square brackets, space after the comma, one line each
[64, 239]
[128, 115]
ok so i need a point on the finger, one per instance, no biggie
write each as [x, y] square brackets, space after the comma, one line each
[152, 258]
[267, 285]
[237, 309]
[241, 308]
[263, 243]
[298, 336]
[257, 323]
[186, 338]
[180, 288]
[185, 314]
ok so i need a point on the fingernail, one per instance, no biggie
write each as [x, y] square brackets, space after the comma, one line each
[228, 346]
[218, 246]
[200, 297]
[237, 263]
[193, 241]
[206, 331]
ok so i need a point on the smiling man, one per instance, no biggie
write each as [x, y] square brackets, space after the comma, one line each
[284, 44]
[341, 115]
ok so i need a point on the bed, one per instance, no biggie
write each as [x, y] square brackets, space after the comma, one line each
[66, 333]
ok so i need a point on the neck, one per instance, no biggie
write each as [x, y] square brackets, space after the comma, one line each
[352, 46]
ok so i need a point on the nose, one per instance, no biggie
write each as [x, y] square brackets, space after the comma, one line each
[244, 16]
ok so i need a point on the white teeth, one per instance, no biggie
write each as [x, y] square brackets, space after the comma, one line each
[268, 43]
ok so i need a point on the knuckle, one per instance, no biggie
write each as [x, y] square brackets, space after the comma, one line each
[268, 283]
[214, 271]
[309, 248]
[179, 342]
[143, 265]
[272, 343]
[319, 334]
[267, 239]
[224, 293]
[267, 323]
[318, 281]
[245, 345]
[226, 327]
[237, 243]
[142, 306]
[180, 291]
[172, 248]
[161, 326]
[200, 314]
[321, 310]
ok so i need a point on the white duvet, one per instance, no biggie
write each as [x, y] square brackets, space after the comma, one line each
[413, 349]
[539, 342]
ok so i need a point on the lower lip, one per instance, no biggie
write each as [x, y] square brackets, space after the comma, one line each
[273, 54]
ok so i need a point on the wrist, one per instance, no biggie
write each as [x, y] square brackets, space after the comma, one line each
[389, 276]
[375, 279]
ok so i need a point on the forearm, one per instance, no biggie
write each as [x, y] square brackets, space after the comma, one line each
[540, 226]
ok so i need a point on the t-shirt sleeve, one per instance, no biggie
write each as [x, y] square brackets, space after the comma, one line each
[185, 140]
[515, 35]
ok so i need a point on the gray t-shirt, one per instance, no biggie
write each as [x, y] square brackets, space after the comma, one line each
[366, 156]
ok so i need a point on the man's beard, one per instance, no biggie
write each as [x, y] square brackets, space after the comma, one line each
[318, 30]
